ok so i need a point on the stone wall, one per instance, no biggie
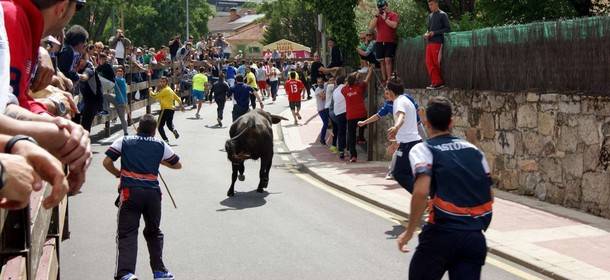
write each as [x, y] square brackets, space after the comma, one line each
[555, 147]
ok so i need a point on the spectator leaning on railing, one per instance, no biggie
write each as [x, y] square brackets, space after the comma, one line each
[60, 137]
[74, 46]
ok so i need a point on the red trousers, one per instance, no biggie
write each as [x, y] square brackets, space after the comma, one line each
[433, 63]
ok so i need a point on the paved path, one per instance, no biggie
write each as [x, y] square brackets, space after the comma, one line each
[300, 229]
[569, 248]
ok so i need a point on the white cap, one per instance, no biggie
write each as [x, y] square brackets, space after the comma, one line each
[52, 40]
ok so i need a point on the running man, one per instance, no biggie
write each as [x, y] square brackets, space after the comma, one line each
[294, 89]
[167, 99]
[200, 83]
[241, 97]
[140, 195]
[220, 89]
[455, 175]
[251, 81]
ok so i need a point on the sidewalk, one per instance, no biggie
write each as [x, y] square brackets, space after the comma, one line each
[558, 247]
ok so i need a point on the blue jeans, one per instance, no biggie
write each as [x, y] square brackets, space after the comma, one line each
[324, 116]
[274, 87]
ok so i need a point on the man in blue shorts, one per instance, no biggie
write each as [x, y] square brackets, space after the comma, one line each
[140, 195]
[454, 174]
[200, 82]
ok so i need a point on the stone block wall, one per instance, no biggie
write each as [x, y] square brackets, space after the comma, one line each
[555, 147]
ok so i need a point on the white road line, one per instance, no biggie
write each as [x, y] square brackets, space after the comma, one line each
[112, 138]
[400, 220]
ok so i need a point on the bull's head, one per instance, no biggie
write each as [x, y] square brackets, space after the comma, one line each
[232, 154]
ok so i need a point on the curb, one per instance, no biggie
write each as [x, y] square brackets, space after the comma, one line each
[303, 168]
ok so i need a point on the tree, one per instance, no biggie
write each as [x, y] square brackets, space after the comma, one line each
[502, 12]
[339, 16]
[294, 20]
[146, 22]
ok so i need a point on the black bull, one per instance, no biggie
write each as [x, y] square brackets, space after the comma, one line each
[251, 138]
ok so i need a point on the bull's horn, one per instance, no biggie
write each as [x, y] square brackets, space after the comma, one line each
[277, 119]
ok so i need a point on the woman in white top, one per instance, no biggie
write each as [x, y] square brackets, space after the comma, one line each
[404, 131]
[339, 109]
[274, 81]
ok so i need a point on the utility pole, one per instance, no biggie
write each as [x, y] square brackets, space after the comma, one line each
[323, 40]
[187, 19]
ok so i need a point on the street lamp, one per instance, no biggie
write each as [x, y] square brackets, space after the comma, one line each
[187, 20]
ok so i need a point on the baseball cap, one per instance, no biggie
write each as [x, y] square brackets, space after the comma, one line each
[51, 39]
[381, 3]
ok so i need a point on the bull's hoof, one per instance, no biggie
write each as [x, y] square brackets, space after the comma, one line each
[241, 177]
[260, 190]
[230, 194]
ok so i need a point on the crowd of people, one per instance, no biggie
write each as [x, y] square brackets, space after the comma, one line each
[55, 82]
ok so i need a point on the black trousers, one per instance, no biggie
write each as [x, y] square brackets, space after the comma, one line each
[166, 118]
[137, 202]
[352, 127]
[253, 101]
[87, 116]
[402, 169]
[239, 111]
[462, 253]
[341, 131]
[221, 107]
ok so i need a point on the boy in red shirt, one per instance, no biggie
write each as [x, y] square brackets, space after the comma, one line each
[355, 109]
[294, 88]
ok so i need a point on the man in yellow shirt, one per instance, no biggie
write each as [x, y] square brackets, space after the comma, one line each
[200, 83]
[251, 82]
[167, 99]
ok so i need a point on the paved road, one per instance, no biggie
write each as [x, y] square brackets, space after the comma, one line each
[298, 230]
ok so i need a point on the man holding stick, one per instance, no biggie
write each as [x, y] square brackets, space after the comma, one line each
[140, 194]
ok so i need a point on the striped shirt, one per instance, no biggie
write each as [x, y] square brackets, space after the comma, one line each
[140, 160]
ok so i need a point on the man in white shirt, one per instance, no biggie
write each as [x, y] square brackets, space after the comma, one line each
[339, 110]
[404, 131]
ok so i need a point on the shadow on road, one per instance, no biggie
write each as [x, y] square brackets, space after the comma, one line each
[244, 200]
[215, 126]
[394, 232]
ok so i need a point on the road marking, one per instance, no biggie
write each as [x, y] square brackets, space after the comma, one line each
[510, 269]
[112, 137]
[398, 219]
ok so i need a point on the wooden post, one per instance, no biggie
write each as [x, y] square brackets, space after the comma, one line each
[372, 129]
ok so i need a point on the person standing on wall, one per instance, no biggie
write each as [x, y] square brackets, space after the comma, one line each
[385, 23]
[438, 25]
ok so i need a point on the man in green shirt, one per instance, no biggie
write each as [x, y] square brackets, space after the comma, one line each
[200, 83]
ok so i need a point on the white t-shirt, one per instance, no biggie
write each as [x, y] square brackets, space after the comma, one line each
[273, 75]
[339, 100]
[329, 95]
[408, 131]
[119, 50]
[320, 100]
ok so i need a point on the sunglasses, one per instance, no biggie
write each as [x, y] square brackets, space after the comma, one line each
[79, 5]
